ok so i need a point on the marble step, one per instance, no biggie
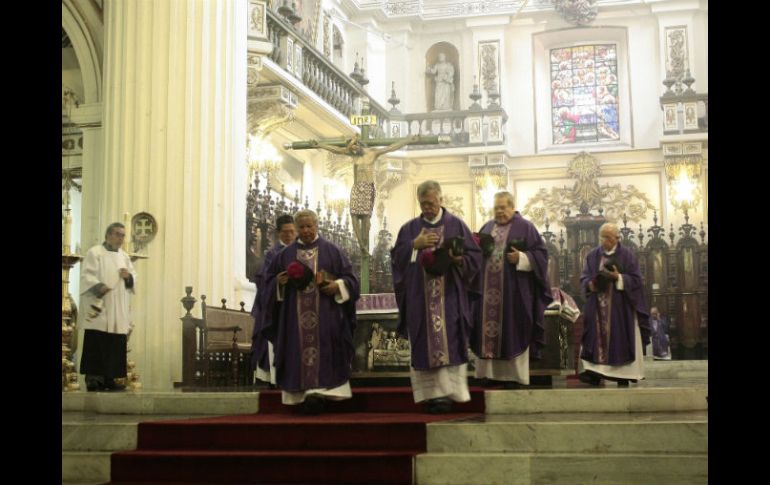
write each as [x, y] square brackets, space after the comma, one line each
[607, 399]
[98, 436]
[81, 466]
[676, 369]
[561, 469]
[683, 433]
[84, 431]
[149, 402]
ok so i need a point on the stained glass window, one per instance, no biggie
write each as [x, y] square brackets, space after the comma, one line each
[584, 94]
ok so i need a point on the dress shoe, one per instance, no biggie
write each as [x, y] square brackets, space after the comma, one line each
[441, 405]
[622, 382]
[512, 385]
[112, 386]
[94, 383]
[313, 405]
[590, 378]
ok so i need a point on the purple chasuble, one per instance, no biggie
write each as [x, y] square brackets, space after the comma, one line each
[509, 318]
[608, 331]
[660, 341]
[435, 311]
[312, 334]
[259, 351]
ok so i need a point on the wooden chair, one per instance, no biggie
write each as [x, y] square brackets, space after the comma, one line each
[216, 348]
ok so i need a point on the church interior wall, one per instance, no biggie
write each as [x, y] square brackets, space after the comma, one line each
[394, 50]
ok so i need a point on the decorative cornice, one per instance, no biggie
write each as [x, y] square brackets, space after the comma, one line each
[449, 9]
[270, 107]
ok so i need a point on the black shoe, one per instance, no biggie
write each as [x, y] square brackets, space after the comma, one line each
[622, 382]
[313, 405]
[512, 385]
[441, 405]
[111, 385]
[590, 378]
[94, 383]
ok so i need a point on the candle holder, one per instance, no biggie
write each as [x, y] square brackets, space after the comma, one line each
[69, 378]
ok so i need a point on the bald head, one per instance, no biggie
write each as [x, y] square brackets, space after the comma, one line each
[609, 236]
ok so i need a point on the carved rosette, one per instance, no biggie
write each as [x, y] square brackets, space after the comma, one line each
[577, 12]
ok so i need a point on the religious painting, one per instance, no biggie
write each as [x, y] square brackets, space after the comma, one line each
[489, 67]
[584, 94]
[474, 130]
[494, 129]
[676, 51]
[669, 117]
[690, 116]
[398, 129]
[257, 25]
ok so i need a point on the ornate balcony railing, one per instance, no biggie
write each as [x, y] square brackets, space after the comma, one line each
[294, 54]
[297, 57]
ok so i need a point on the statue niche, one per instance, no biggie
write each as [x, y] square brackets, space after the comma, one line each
[442, 78]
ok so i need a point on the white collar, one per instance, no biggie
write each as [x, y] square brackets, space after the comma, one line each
[438, 217]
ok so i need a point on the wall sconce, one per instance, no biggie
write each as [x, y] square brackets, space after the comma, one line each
[490, 176]
[683, 165]
[262, 157]
[335, 197]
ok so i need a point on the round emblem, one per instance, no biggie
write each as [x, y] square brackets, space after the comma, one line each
[308, 320]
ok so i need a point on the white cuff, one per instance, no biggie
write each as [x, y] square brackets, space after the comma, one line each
[619, 283]
[524, 264]
[343, 295]
[414, 256]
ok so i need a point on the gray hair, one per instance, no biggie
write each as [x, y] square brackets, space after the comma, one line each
[507, 196]
[112, 227]
[610, 227]
[306, 213]
[424, 187]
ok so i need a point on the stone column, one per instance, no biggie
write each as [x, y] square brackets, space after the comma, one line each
[174, 146]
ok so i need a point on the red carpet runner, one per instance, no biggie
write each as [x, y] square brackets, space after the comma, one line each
[371, 438]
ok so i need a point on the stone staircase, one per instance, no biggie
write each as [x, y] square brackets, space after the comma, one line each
[655, 432]
[94, 425]
[652, 433]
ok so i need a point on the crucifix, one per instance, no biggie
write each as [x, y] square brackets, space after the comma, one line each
[362, 195]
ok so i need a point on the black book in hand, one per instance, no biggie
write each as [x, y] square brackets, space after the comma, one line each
[517, 244]
[456, 244]
[612, 265]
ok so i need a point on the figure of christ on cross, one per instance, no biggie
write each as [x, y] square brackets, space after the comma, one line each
[363, 193]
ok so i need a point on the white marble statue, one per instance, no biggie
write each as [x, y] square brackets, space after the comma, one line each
[444, 88]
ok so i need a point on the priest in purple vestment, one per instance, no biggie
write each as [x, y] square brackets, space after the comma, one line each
[661, 350]
[311, 328]
[434, 308]
[616, 325]
[261, 349]
[508, 318]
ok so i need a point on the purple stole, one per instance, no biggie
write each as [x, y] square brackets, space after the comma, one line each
[308, 319]
[438, 349]
[492, 313]
[603, 313]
